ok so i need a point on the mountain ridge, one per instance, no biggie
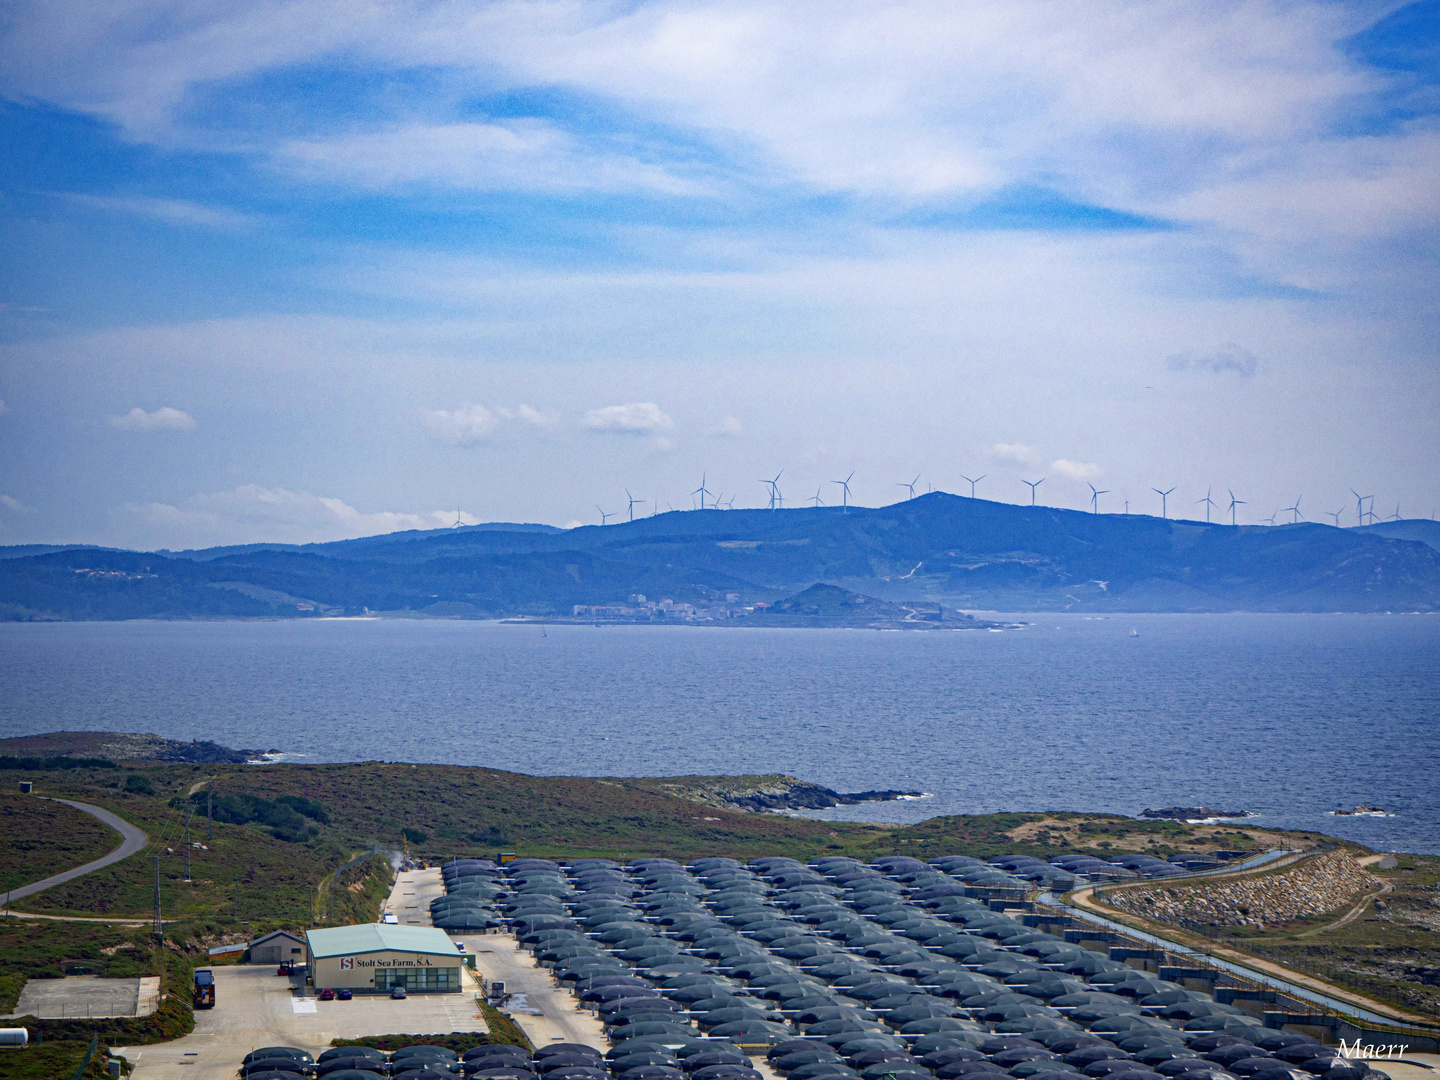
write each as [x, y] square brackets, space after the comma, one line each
[935, 549]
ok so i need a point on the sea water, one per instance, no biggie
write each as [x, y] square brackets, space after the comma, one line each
[1285, 716]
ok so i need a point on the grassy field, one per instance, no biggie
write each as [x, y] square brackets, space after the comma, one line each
[54, 1060]
[45, 950]
[39, 838]
[271, 870]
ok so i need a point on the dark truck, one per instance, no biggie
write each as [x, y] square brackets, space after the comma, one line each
[204, 989]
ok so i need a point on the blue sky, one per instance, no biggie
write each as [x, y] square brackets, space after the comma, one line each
[297, 271]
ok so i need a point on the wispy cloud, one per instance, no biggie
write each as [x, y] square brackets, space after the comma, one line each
[275, 515]
[521, 155]
[162, 419]
[1230, 359]
[179, 212]
[12, 503]
[727, 428]
[637, 418]
[476, 423]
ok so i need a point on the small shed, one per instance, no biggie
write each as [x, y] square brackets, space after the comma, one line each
[277, 947]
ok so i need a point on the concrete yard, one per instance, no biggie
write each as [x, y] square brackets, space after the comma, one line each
[255, 1007]
[545, 1013]
[84, 996]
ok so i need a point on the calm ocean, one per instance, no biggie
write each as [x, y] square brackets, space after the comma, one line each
[1286, 715]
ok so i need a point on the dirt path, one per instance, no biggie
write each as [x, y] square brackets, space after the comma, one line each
[1354, 913]
[131, 841]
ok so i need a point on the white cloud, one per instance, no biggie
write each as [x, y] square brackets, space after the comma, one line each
[2, 407]
[519, 155]
[274, 515]
[12, 503]
[1227, 358]
[171, 211]
[637, 418]
[1016, 453]
[475, 423]
[530, 416]
[1075, 470]
[162, 419]
[728, 427]
[467, 424]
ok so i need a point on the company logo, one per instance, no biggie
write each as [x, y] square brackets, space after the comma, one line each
[350, 963]
[1371, 1051]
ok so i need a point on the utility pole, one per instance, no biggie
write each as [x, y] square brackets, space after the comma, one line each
[209, 815]
[187, 852]
[159, 927]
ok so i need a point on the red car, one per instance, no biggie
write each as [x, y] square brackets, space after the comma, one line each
[327, 994]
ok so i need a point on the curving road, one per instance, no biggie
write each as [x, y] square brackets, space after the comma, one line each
[132, 840]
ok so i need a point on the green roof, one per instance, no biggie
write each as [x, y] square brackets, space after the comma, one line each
[379, 937]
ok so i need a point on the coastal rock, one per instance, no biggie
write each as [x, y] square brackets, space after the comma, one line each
[769, 793]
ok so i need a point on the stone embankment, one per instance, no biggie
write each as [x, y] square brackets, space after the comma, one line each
[1314, 886]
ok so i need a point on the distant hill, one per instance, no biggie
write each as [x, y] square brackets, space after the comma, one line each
[830, 605]
[1421, 529]
[937, 549]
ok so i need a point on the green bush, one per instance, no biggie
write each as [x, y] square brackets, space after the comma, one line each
[136, 784]
[288, 817]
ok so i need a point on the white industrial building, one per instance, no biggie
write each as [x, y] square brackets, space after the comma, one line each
[379, 956]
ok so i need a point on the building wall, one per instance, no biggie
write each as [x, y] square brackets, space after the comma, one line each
[280, 949]
[379, 971]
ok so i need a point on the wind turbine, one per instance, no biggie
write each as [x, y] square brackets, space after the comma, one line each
[1032, 484]
[815, 499]
[1295, 510]
[1095, 497]
[1336, 515]
[1234, 502]
[1272, 517]
[604, 517]
[1208, 504]
[974, 482]
[774, 486]
[845, 492]
[457, 520]
[702, 491]
[1164, 506]
[1396, 516]
[634, 502]
[911, 485]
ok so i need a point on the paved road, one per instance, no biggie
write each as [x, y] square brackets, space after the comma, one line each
[254, 1008]
[133, 840]
[545, 1013]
